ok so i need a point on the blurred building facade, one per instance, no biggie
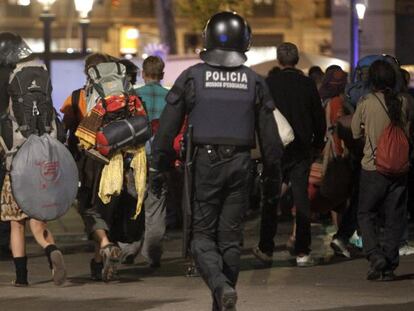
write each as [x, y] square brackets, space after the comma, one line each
[386, 28]
[130, 26]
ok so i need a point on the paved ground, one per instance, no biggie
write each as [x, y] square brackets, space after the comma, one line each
[334, 285]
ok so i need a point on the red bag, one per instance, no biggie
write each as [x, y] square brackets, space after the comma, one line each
[392, 153]
[392, 156]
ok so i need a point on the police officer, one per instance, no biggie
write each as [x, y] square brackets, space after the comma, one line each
[225, 103]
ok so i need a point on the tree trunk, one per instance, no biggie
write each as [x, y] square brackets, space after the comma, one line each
[165, 17]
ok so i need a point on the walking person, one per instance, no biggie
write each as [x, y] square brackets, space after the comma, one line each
[332, 94]
[405, 248]
[153, 95]
[298, 100]
[74, 110]
[225, 103]
[383, 181]
[14, 52]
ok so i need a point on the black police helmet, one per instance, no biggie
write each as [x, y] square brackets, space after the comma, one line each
[13, 49]
[227, 36]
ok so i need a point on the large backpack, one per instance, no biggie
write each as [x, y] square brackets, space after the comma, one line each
[392, 152]
[30, 108]
[106, 80]
[122, 118]
[361, 86]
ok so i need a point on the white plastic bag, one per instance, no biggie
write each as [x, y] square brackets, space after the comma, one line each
[285, 130]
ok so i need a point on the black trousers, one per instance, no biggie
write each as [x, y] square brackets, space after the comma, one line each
[220, 198]
[298, 175]
[381, 195]
[349, 222]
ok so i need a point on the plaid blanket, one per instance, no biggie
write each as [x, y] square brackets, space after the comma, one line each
[94, 120]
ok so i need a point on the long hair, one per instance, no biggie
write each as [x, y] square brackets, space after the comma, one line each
[383, 79]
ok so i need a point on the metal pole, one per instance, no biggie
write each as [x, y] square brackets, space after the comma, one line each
[47, 18]
[354, 36]
[84, 25]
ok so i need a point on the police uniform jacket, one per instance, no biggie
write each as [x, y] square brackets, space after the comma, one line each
[225, 106]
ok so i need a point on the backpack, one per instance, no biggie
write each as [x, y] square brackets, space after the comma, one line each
[105, 80]
[392, 153]
[30, 110]
[123, 121]
[360, 87]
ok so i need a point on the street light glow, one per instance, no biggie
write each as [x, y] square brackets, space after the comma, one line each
[360, 9]
[23, 2]
[132, 33]
[84, 7]
[46, 4]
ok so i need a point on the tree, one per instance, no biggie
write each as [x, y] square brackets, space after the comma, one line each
[165, 17]
[199, 11]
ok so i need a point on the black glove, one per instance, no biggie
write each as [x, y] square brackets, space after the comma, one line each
[156, 182]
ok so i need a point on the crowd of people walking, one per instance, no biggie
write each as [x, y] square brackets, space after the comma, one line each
[350, 157]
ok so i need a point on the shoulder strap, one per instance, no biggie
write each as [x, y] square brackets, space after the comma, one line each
[75, 101]
[75, 105]
[383, 106]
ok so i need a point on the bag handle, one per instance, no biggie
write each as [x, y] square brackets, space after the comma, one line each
[329, 150]
[330, 128]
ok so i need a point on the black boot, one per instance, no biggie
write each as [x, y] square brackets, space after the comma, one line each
[225, 298]
[20, 264]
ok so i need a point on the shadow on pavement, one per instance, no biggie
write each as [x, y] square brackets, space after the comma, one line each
[41, 304]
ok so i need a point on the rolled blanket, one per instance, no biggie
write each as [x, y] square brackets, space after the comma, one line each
[88, 127]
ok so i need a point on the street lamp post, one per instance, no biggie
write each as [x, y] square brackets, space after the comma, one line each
[84, 7]
[47, 18]
[358, 8]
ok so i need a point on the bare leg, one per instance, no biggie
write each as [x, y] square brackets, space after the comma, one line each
[40, 232]
[335, 219]
[17, 242]
[45, 239]
[101, 240]
[294, 229]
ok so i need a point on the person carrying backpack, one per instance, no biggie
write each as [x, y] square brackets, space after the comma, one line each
[15, 55]
[382, 119]
[111, 135]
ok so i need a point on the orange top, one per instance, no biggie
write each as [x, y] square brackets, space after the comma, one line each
[69, 118]
[336, 111]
